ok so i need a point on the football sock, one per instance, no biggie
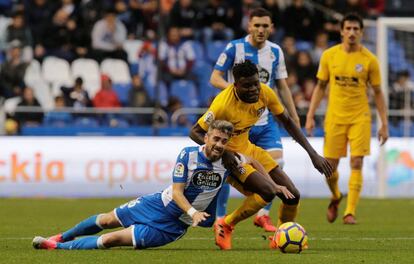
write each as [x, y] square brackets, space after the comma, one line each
[89, 242]
[287, 213]
[265, 210]
[222, 199]
[355, 185]
[333, 185]
[249, 207]
[88, 226]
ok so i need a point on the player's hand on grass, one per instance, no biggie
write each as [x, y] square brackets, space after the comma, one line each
[198, 217]
[383, 134]
[309, 126]
[322, 165]
[285, 191]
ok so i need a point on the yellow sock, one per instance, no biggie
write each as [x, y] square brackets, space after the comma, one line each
[287, 213]
[355, 186]
[333, 185]
[251, 205]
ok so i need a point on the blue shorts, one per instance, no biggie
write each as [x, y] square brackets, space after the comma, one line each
[268, 136]
[152, 225]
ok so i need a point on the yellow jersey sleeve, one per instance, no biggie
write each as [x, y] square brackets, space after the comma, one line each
[323, 70]
[374, 76]
[273, 102]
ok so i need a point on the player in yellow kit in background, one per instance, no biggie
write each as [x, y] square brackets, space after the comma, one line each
[349, 68]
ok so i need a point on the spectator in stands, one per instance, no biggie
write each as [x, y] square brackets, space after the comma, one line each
[289, 49]
[76, 96]
[18, 30]
[106, 96]
[353, 6]
[304, 67]
[177, 57]
[299, 21]
[321, 44]
[12, 72]
[374, 8]
[57, 117]
[29, 118]
[108, 36]
[216, 18]
[138, 97]
[185, 17]
[145, 15]
[175, 104]
[273, 7]
[401, 94]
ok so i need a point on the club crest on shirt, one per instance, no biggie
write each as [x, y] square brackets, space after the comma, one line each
[222, 59]
[209, 118]
[359, 67]
[179, 170]
[260, 111]
[206, 179]
[264, 75]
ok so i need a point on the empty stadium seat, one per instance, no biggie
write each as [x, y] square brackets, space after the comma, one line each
[56, 72]
[132, 48]
[10, 104]
[186, 91]
[214, 49]
[122, 90]
[88, 70]
[117, 70]
[33, 78]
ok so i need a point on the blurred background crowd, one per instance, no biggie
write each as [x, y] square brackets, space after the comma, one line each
[140, 63]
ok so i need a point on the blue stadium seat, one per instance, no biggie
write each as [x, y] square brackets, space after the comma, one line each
[207, 93]
[173, 131]
[214, 49]
[186, 91]
[198, 50]
[122, 90]
[303, 45]
[162, 91]
[86, 122]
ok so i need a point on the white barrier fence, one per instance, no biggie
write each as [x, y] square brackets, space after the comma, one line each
[126, 166]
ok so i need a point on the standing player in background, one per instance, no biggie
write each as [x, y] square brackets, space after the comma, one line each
[349, 69]
[158, 219]
[269, 58]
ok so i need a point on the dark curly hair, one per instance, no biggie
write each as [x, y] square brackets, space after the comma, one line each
[244, 69]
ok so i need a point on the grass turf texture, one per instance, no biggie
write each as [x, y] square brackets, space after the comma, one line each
[384, 234]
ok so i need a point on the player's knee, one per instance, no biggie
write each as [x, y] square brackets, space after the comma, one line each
[108, 220]
[293, 201]
[356, 163]
[268, 193]
[110, 240]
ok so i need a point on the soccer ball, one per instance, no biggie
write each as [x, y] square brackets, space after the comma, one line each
[291, 238]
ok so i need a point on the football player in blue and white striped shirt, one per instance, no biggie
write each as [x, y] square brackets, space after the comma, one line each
[158, 219]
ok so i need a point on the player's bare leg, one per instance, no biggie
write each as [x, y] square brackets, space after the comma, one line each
[288, 209]
[263, 218]
[355, 186]
[332, 212]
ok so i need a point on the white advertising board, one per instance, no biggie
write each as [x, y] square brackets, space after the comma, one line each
[132, 166]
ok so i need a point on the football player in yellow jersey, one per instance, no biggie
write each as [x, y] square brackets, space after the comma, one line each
[349, 69]
[242, 103]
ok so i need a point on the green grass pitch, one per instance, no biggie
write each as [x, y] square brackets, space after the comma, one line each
[384, 234]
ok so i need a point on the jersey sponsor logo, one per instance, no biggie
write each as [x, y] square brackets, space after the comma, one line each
[209, 118]
[222, 59]
[260, 111]
[359, 67]
[264, 75]
[206, 180]
[179, 170]
[346, 81]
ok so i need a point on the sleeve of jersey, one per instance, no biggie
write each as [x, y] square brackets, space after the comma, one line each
[226, 58]
[180, 169]
[323, 70]
[212, 114]
[281, 72]
[374, 73]
[273, 102]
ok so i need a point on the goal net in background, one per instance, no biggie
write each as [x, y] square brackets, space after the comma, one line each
[395, 50]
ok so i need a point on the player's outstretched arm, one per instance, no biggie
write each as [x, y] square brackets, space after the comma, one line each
[286, 96]
[382, 112]
[182, 202]
[317, 97]
[217, 80]
[197, 134]
[321, 164]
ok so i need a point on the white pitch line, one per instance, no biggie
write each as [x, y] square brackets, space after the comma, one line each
[263, 238]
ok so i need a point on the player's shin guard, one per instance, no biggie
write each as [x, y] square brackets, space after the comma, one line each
[88, 226]
[222, 199]
[355, 186]
[249, 207]
[333, 185]
[287, 213]
[90, 242]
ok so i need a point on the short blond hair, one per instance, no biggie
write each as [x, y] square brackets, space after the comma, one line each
[221, 125]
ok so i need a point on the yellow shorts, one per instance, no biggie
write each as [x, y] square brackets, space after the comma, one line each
[338, 135]
[257, 153]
